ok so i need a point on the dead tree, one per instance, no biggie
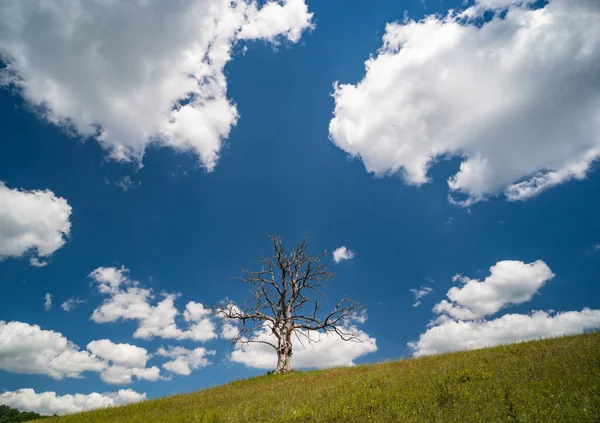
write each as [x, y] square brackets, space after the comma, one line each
[285, 303]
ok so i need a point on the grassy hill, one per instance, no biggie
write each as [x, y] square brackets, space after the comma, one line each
[554, 380]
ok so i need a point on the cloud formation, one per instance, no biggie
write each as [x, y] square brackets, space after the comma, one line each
[138, 73]
[510, 282]
[71, 303]
[420, 293]
[36, 262]
[454, 335]
[327, 350]
[342, 253]
[49, 403]
[185, 360]
[47, 302]
[461, 322]
[122, 354]
[26, 348]
[35, 222]
[128, 300]
[120, 375]
[516, 98]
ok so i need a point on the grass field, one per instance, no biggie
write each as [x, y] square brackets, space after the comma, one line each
[554, 380]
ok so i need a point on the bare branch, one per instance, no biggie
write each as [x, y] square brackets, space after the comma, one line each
[256, 341]
[281, 294]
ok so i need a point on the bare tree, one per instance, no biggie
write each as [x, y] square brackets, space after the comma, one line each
[284, 302]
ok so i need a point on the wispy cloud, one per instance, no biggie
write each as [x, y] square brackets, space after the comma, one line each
[71, 303]
[126, 183]
[47, 302]
[420, 293]
[35, 262]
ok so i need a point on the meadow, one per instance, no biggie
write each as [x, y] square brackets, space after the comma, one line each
[551, 380]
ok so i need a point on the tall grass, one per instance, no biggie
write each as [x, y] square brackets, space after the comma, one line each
[554, 380]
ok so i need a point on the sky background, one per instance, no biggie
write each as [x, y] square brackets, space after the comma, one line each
[179, 228]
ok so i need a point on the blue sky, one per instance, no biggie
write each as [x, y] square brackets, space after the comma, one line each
[179, 228]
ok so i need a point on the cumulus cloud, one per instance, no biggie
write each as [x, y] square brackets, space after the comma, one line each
[119, 375]
[128, 300]
[510, 282]
[342, 253]
[229, 327]
[229, 331]
[420, 293]
[196, 312]
[138, 73]
[516, 98]
[185, 360]
[34, 222]
[122, 354]
[125, 361]
[71, 303]
[290, 17]
[453, 335]
[109, 279]
[326, 350]
[47, 302]
[461, 322]
[49, 403]
[29, 349]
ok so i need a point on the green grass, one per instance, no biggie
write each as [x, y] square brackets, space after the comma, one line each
[553, 380]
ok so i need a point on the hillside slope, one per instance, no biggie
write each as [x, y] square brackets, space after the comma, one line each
[555, 380]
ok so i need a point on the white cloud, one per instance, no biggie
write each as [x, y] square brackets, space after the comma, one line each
[229, 327]
[36, 262]
[71, 303]
[510, 282]
[32, 222]
[342, 253]
[27, 348]
[48, 403]
[138, 73]
[184, 360]
[290, 17]
[461, 320]
[122, 354]
[596, 248]
[109, 279]
[357, 317]
[232, 309]
[229, 331]
[452, 335]
[116, 374]
[420, 293]
[125, 361]
[47, 302]
[129, 301]
[327, 350]
[196, 312]
[516, 98]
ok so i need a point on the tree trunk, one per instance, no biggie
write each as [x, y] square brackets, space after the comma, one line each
[284, 356]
